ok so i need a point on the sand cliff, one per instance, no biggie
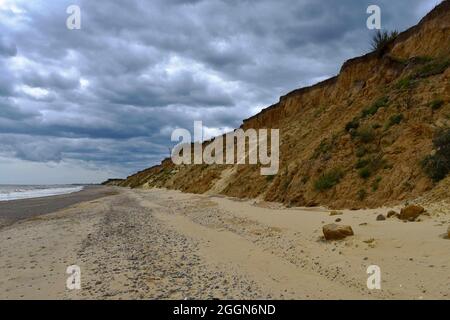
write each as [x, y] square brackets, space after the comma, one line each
[373, 124]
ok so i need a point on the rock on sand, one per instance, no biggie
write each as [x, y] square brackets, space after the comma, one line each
[335, 232]
[411, 212]
[392, 213]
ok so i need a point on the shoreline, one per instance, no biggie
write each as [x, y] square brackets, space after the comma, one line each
[48, 191]
[13, 211]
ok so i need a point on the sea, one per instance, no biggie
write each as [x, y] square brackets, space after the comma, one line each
[16, 192]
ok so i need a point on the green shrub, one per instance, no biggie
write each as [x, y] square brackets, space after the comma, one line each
[399, 60]
[376, 126]
[436, 104]
[370, 165]
[354, 124]
[437, 166]
[376, 183]
[361, 151]
[366, 134]
[405, 83]
[328, 179]
[395, 119]
[422, 59]
[432, 68]
[370, 111]
[373, 109]
[381, 39]
[364, 173]
[361, 163]
[362, 194]
[324, 147]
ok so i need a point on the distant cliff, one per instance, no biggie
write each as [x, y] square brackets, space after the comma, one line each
[357, 139]
[113, 182]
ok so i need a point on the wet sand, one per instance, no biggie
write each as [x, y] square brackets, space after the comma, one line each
[15, 210]
[161, 244]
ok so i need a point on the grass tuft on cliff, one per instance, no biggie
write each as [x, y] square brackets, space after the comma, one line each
[381, 39]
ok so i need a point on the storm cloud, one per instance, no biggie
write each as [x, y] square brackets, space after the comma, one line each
[104, 99]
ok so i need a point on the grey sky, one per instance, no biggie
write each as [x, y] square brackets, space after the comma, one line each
[84, 105]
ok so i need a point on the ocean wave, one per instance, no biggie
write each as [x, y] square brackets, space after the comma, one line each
[28, 193]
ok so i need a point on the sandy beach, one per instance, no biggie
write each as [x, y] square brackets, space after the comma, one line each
[160, 244]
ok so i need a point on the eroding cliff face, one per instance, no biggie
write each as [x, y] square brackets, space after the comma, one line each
[351, 141]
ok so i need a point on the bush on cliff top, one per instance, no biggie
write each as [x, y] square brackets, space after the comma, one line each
[381, 39]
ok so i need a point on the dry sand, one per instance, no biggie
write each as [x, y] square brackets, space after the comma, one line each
[160, 244]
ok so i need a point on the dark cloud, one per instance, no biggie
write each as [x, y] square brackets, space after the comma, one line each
[51, 80]
[109, 95]
[7, 48]
[11, 111]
